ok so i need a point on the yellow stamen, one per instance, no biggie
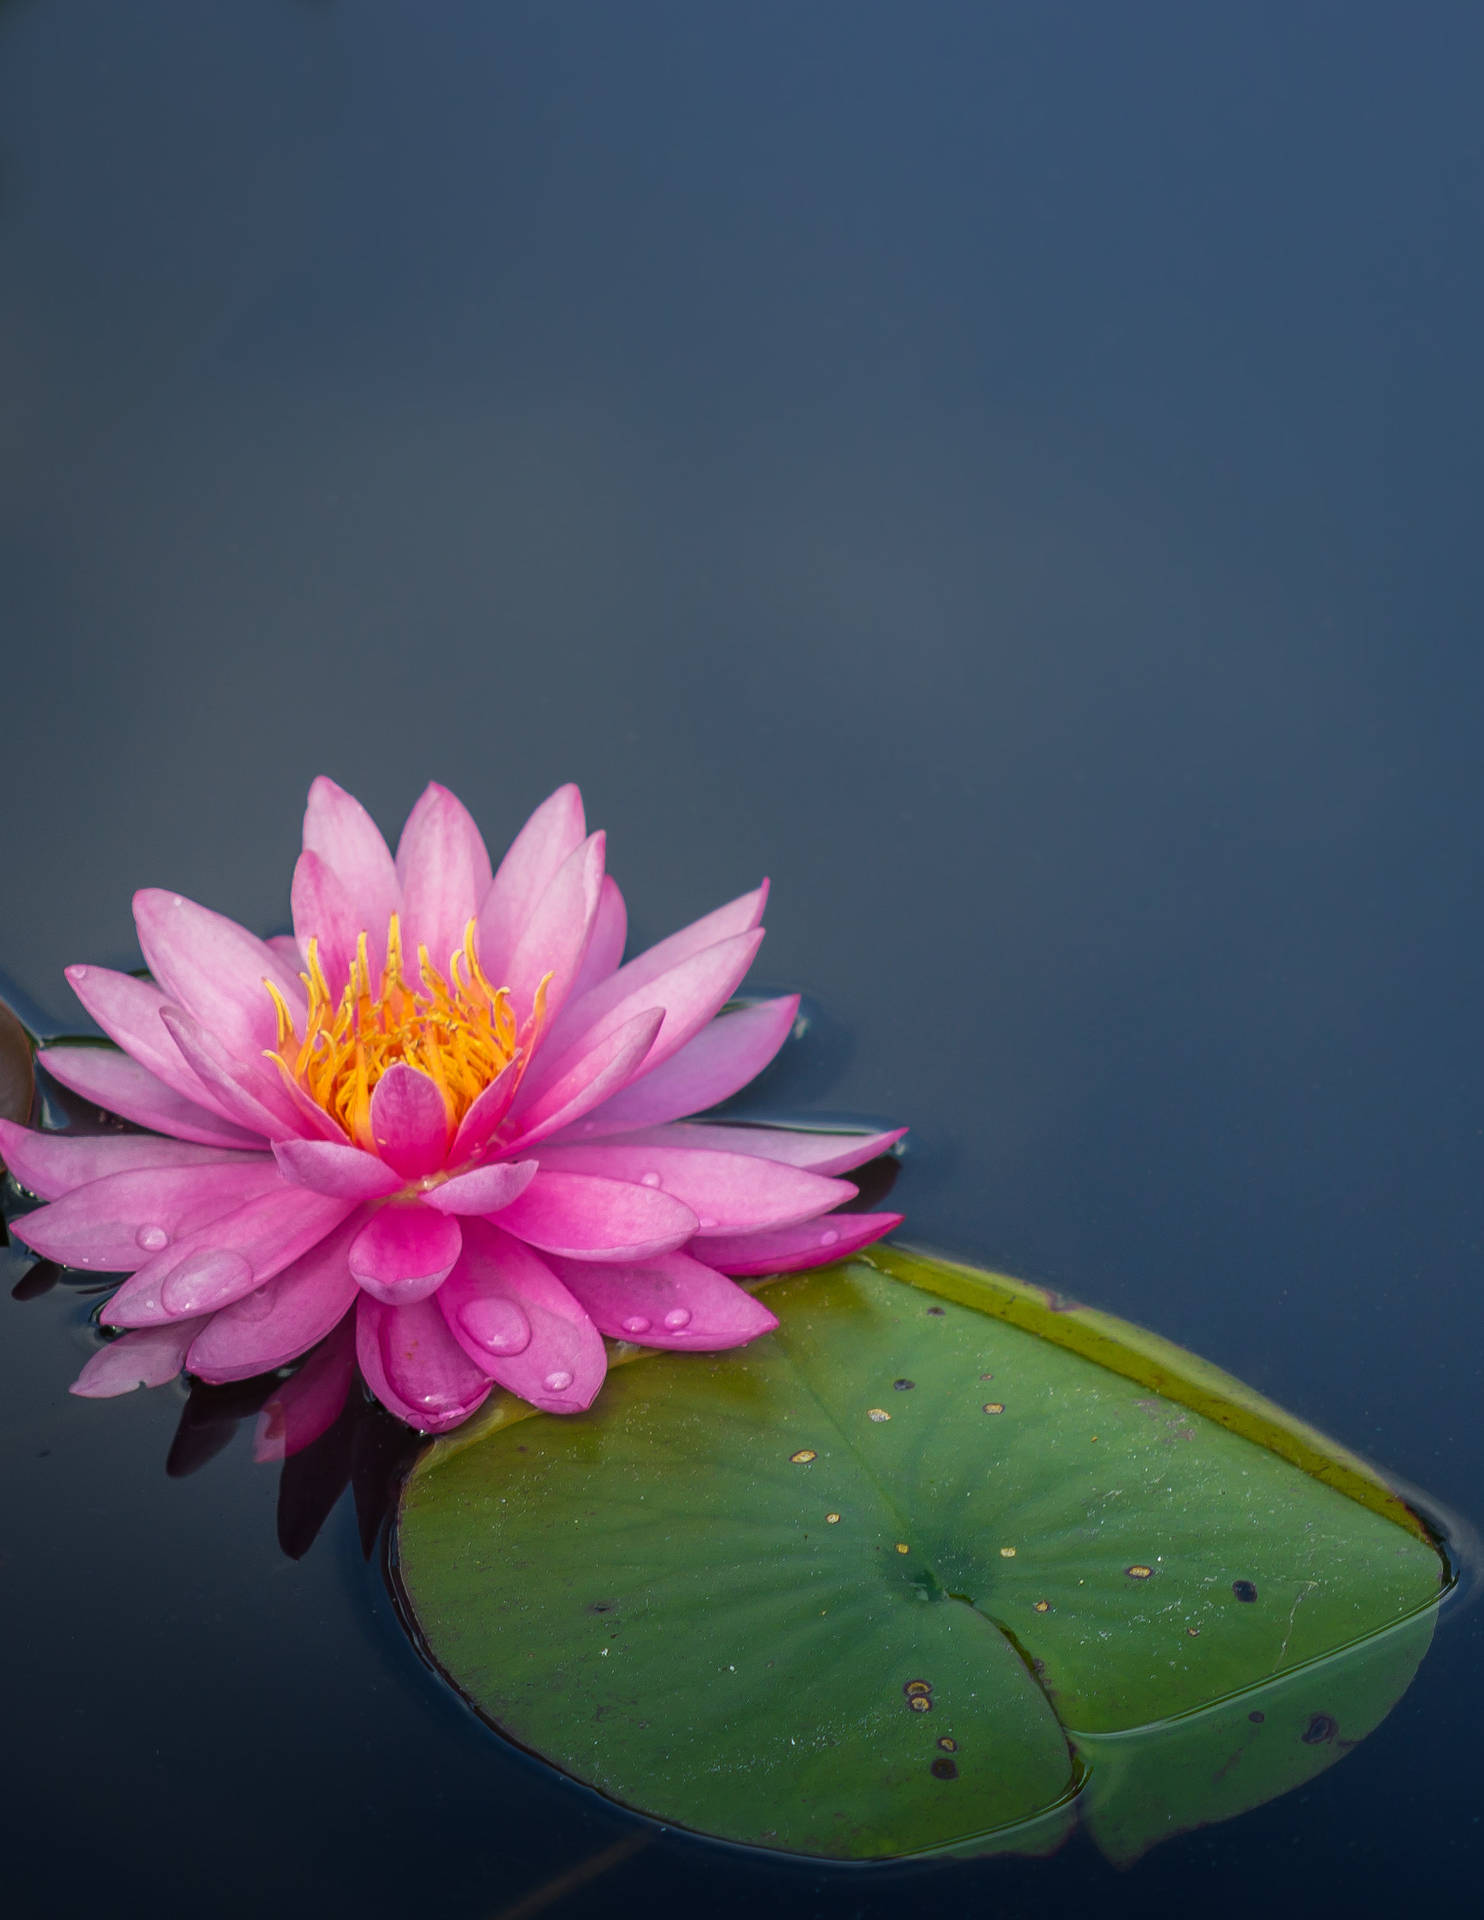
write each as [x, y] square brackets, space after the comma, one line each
[456, 1028]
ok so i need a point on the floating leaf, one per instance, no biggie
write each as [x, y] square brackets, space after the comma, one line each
[17, 1081]
[941, 1564]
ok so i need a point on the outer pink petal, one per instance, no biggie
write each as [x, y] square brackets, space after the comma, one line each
[120, 1085]
[672, 1301]
[324, 912]
[403, 1254]
[128, 1010]
[148, 1358]
[51, 1164]
[553, 831]
[124, 1220]
[501, 1289]
[344, 1171]
[736, 917]
[282, 1319]
[409, 1121]
[611, 1064]
[484, 1190]
[554, 939]
[786, 1249]
[606, 944]
[727, 1192]
[305, 1406]
[342, 833]
[226, 1259]
[215, 969]
[415, 1367]
[445, 874]
[815, 1150]
[718, 1062]
[689, 993]
[594, 1219]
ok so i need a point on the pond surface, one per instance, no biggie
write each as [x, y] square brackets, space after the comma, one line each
[1011, 474]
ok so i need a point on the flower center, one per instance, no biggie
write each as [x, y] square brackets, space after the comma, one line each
[454, 1027]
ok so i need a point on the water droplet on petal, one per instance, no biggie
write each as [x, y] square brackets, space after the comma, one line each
[829, 1239]
[677, 1318]
[496, 1324]
[649, 1179]
[636, 1323]
[204, 1281]
[705, 1223]
[557, 1382]
[152, 1238]
[255, 1305]
[79, 973]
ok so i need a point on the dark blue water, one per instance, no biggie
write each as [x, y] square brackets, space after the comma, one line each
[1009, 472]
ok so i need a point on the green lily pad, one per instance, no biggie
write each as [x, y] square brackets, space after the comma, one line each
[944, 1564]
[17, 1079]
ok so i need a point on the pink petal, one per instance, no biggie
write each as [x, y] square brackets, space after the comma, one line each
[415, 1367]
[343, 1171]
[340, 831]
[727, 1192]
[445, 875]
[249, 1090]
[785, 1249]
[606, 943]
[554, 939]
[281, 1319]
[128, 1010]
[553, 831]
[310, 1403]
[409, 1121]
[518, 1323]
[287, 949]
[671, 1301]
[574, 1213]
[325, 913]
[403, 1254]
[484, 1190]
[481, 1122]
[120, 1085]
[148, 1358]
[718, 1062]
[226, 1259]
[610, 1065]
[51, 1164]
[813, 1149]
[215, 970]
[689, 993]
[125, 1220]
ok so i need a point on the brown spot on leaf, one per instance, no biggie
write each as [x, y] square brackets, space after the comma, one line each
[944, 1769]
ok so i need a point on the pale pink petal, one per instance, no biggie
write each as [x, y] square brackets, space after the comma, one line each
[553, 831]
[594, 1219]
[611, 1064]
[250, 1090]
[339, 829]
[215, 969]
[727, 1192]
[409, 1121]
[518, 1323]
[120, 1085]
[786, 1249]
[444, 871]
[51, 1164]
[128, 1010]
[670, 1301]
[481, 1122]
[606, 942]
[723, 1058]
[484, 1190]
[403, 1254]
[415, 1367]
[325, 913]
[554, 940]
[310, 1403]
[813, 1149]
[149, 1358]
[226, 1259]
[287, 949]
[689, 994]
[283, 1318]
[737, 916]
[341, 1170]
[122, 1221]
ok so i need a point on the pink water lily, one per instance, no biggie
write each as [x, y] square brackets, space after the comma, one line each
[440, 1133]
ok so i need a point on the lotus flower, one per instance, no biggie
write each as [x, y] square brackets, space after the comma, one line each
[440, 1132]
